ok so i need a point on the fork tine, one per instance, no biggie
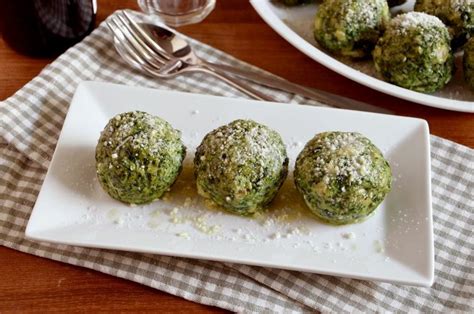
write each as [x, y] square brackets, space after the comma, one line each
[146, 38]
[130, 54]
[121, 38]
[151, 5]
[136, 32]
[135, 43]
[169, 64]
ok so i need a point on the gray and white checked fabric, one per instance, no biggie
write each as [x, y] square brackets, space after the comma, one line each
[30, 124]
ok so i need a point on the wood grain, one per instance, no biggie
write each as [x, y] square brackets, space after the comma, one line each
[32, 284]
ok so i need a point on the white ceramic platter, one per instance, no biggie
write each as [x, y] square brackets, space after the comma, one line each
[295, 24]
[396, 244]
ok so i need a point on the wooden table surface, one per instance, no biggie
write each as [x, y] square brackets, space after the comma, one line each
[35, 284]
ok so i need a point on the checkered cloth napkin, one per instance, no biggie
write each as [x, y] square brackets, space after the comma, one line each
[30, 124]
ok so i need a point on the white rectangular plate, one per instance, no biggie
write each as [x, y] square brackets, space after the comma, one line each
[396, 244]
[295, 25]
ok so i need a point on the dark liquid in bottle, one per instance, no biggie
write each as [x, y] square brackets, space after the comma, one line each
[45, 27]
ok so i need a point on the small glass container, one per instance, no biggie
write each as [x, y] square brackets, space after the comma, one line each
[178, 12]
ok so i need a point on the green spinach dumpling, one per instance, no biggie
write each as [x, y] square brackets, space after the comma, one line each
[342, 176]
[350, 27]
[458, 15]
[241, 166]
[415, 53]
[468, 63]
[138, 157]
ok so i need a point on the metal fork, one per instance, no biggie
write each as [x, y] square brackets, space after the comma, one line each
[168, 46]
[136, 52]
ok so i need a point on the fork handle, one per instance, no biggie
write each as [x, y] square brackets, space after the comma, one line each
[242, 87]
[276, 82]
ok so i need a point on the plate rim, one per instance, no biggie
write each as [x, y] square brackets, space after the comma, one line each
[262, 7]
[85, 86]
[424, 282]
